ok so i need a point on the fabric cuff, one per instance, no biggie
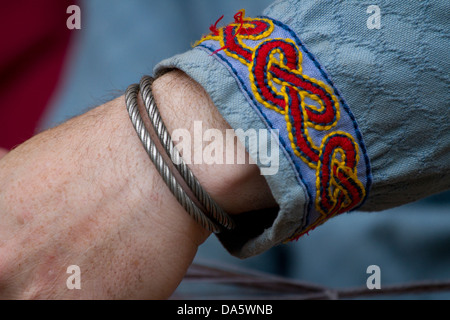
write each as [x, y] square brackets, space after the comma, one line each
[261, 77]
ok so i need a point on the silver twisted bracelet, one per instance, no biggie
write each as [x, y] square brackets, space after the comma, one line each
[212, 217]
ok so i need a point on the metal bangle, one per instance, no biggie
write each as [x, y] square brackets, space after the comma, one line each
[131, 99]
[212, 208]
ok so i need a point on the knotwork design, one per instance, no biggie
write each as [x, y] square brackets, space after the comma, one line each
[307, 104]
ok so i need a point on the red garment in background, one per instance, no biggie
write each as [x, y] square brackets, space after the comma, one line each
[34, 44]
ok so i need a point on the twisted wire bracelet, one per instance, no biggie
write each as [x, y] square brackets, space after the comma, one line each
[131, 99]
[214, 210]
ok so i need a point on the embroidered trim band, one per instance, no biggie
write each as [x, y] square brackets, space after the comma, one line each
[291, 92]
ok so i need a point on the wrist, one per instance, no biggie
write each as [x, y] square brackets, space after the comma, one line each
[86, 193]
[185, 105]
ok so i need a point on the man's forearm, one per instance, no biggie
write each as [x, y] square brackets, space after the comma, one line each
[85, 193]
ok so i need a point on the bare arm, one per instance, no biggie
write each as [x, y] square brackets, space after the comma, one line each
[85, 193]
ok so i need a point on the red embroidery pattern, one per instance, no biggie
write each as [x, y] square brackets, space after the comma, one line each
[278, 83]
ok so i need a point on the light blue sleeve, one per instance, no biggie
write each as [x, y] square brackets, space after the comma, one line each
[390, 73]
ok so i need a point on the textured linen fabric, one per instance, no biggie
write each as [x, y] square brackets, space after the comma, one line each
[394, 79]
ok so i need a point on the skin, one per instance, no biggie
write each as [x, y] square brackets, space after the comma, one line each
[85, 193]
